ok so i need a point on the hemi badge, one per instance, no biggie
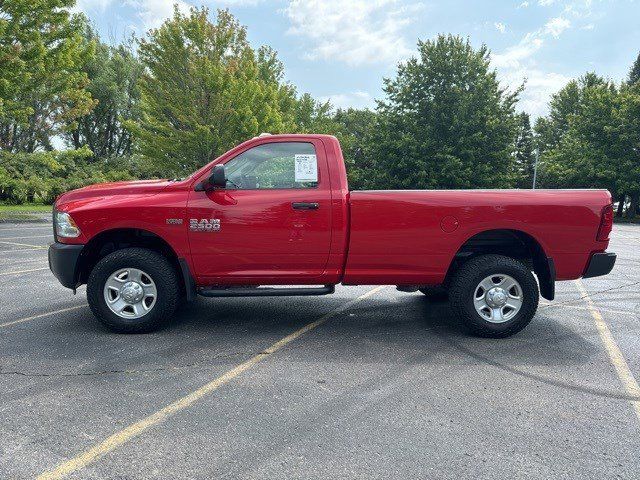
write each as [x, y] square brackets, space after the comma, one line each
[174, 221]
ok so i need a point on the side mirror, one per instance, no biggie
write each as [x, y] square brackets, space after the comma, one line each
[218, 179]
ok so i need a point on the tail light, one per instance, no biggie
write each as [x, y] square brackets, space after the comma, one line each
[606, 224]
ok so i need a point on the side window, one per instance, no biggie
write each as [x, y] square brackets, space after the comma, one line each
[278, 165]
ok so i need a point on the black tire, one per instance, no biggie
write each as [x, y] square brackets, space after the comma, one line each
[467, 279]
[155, 265]
[437, 294]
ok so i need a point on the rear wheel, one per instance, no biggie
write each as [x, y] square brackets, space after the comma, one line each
[495, 296]
[133, 290]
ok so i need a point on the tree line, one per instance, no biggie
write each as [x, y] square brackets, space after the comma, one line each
[75, 110]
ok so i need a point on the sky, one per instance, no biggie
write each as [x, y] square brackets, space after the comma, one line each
[340, 50]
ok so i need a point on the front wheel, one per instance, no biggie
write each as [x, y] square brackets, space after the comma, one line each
[495, 296]
[133, 290]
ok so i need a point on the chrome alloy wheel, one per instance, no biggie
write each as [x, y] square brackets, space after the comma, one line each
[498, 298]
[130, 293]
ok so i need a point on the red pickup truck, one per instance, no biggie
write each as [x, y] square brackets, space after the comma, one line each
[274, 216]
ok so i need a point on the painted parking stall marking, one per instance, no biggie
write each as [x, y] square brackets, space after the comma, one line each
[17, 272]
[123, 436]
[613, 350]
[35, 247]
[27, 237]
[41, 315]
[18, 229]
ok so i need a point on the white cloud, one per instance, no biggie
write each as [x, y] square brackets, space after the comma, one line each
[356, 32]
[517, 63]
[153, 12]
[545, 3]
[523, 5]
[87, 6]
[538, 89]
[501, 27]
[530, 44]
[579, 8]
[513, 56]
[357, 99]
[557, 25]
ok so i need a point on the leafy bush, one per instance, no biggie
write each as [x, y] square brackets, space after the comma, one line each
[40, 177]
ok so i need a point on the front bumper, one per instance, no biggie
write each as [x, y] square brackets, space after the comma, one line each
[600, 264]
[63, 262]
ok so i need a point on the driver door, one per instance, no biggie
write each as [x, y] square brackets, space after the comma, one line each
[272, 222]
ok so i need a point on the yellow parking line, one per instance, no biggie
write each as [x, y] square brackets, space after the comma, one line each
[28, 236]
[11, 229]
[16, 272]
[24, 245]
[119, 438]
[22, 250]
[34, 317]
[544, 306]
[615, 354]
[11, 262]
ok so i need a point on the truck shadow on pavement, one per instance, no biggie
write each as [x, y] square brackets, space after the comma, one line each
[404, 323]
[403, 332]
[408, 341]
[407, 322]
[546, 342]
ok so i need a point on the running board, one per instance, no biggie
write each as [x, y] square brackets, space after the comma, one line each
[265, 291]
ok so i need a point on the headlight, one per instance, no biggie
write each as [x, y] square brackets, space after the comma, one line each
[65, 226]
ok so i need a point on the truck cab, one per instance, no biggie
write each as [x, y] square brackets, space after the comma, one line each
[278, 215]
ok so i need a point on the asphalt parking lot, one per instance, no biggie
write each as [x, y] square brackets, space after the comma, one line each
[373, 383]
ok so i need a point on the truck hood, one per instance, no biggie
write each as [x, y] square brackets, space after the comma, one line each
[135, 187]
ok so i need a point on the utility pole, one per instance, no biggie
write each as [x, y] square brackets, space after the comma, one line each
[535, 168]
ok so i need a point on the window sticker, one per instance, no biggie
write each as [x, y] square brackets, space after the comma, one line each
[306, 168]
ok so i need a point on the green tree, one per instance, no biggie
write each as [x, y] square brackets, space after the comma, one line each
[313, 116]
[633, 80]
[601, 147]
[572, 153]
[524, 155]
[41, 176]
[271, 72]
[351, 126]
[42, 85]
[634, 73]
[563, 105]
[353, 129]
[205, 90]
[579, 159]
[632, 113]
[113, 76]
[630, 139]
[445, 123]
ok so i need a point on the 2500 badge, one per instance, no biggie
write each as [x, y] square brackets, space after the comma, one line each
[204, 225]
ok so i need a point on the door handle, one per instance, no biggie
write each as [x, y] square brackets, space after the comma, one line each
[305, 205]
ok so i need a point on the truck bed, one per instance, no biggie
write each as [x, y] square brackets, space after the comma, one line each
[411, 236]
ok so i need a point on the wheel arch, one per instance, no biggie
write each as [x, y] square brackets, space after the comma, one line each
[512, 243]
[109, 241]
